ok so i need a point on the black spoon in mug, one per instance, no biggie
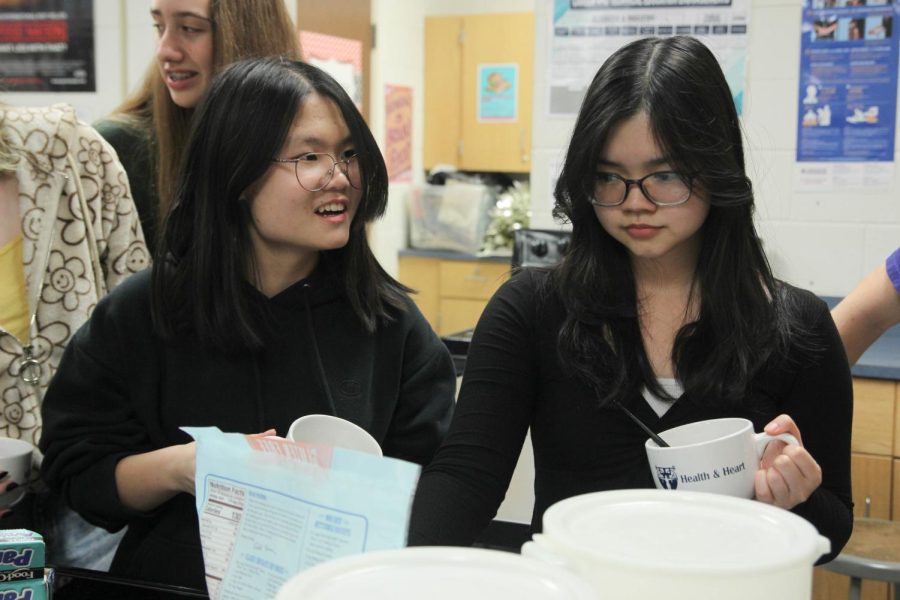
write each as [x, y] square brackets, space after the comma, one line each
[653, 436]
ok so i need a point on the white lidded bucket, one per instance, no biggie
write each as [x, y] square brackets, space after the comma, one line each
[435, 573]
[680, 545]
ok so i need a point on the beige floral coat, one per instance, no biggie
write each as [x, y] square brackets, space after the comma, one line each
[81, 237]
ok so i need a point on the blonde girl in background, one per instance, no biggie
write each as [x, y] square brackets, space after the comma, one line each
[195, 39]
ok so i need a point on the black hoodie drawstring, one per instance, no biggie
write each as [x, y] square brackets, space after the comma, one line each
[257, 379]
[312, 333]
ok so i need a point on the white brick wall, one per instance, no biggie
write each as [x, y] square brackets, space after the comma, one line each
[825, 242]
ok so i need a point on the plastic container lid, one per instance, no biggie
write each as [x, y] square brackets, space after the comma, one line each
[435, 573]
[665, 530]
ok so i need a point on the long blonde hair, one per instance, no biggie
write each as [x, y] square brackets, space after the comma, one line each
[241, 29]
[9, 157]
[11, 154]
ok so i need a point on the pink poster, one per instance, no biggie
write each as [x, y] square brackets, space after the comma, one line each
[398, 132]
[339, 57]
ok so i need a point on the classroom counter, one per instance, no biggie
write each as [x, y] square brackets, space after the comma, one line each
[882, 359]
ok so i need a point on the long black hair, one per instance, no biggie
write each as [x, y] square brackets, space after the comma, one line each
[679, 85]
[205, 256]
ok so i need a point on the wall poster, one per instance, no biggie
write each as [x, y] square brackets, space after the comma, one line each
[341, 58]
[847, 103]
[47, 46]
[586, 32]
[498, 93]
[398, 132]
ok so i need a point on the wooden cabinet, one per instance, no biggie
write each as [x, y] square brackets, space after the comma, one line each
[452, 293]
[873, 416]
[875, 448]
[456, 47]
[897, 424]
[422, 276]
[443, 92]
[872, 485]
[895, 505]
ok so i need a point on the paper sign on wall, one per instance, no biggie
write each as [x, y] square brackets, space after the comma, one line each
[847, 105]
[584, 33]
[398, 132]
[498, 92]
[339, 57]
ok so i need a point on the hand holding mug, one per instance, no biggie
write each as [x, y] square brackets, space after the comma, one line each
[787, 474]
[717, 456]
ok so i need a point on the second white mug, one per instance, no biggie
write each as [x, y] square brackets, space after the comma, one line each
[333, 431]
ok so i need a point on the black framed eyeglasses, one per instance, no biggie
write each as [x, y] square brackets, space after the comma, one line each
[663, 188]
[314, 170]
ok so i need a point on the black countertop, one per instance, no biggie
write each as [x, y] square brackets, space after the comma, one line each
[452, 255]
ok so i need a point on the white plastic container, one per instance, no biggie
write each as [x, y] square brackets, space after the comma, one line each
[435, 573]
[453, 217]
[678, 545]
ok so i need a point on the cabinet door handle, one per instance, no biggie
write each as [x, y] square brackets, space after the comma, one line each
[476, 278]
[522, 147]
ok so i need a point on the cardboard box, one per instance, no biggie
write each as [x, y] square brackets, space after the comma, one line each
[32, 589]
[22, 566]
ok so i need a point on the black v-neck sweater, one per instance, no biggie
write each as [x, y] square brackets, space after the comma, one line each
[514, 381]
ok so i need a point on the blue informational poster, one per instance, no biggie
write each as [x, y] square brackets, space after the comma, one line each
[848, 81]
[498, 91]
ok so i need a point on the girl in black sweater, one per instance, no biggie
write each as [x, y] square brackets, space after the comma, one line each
[265, 304]
[665, 304]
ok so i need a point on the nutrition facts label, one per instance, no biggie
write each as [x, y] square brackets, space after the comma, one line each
[220, 520]
[269, 508]
[254, 539]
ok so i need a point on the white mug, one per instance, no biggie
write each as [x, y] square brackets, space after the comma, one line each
[717, 456]
[15, 459]
[333, 431]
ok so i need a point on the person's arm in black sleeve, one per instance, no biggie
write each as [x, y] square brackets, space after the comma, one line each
[821, 403]
[89, 424]
[427, 392]
[460, 491]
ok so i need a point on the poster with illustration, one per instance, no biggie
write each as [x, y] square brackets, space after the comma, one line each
[47, 46]
[498, 92]
[847, 101]
[398, 132]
